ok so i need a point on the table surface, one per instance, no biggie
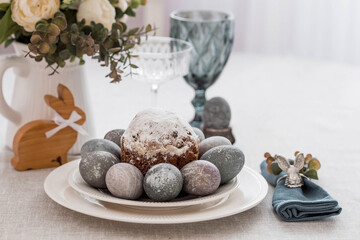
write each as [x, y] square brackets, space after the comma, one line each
[279, 104]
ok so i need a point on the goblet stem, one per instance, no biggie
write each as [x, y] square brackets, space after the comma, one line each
[198, 102]
[154, 94]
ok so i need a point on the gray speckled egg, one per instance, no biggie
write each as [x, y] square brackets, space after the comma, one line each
[212, 142]
[228, 159]
[199, 133]
[125, 181]
[115, 136]
[201, 178]
[101, 145]
[163, 182]
[217, 113]
[94, 166]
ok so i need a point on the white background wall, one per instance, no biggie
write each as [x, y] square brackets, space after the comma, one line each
[316, 29]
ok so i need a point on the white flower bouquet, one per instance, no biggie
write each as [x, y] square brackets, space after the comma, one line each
[57, 31]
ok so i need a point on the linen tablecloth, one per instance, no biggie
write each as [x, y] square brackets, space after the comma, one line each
[279, 104]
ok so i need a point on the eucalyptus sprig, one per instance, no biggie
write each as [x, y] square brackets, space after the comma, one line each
[57, 42]
[62, 38]
[311, 166]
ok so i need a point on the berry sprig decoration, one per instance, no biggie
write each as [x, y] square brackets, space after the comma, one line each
[311, 166]
[56, 41]
[55, 34]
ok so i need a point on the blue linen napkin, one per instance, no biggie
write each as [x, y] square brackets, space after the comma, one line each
[306, 203]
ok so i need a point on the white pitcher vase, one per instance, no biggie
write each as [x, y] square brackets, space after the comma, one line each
[32, 83]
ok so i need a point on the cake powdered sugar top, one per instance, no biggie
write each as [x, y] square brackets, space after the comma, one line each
[156, 131]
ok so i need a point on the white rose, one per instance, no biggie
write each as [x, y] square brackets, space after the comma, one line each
[122, 4]
[99, 11]
[27, 13]
[4, 1]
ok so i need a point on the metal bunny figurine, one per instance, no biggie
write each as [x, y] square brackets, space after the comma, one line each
[293, 177]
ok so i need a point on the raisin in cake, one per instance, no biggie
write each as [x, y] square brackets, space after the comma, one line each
[157, 136]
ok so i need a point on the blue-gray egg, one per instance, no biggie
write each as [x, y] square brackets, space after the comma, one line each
[125, 181]
[101, 145]
[115, 136]
[163, 182]
[94, 166]
[216, 114]
[228, 159]
[199, 133]
[212, 142]
[201, 178]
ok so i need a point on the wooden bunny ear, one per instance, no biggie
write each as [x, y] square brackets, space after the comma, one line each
[65, 95]
[299, 161]
[283, 162]
[54, 102]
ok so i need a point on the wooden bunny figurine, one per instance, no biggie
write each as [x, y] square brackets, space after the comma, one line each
[45, 143]
[293, 177]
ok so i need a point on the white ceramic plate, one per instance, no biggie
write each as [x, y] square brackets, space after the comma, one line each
[76, 181]
[250, 192]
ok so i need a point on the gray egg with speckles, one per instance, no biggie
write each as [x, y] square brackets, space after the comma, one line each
[163, 182]
[228, 159]
[199, 133]
[94, 166]
[115, 136]
[201, 178]
[101, 145]
[125, 181]
[217, 113]
[212, 142]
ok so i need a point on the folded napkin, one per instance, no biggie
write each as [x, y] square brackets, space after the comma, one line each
[309, 202]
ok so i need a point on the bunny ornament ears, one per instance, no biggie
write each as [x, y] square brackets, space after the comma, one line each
[293, 177]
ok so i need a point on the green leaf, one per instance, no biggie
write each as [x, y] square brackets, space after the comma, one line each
[65, 54]
[135, 4]
[130, 12]
[60, 22]
[314, 164]
[312, 173]
[269, 160]
[4, 6]
[128, 46]
[9, 41]
[132, 31]
[41, 27]
[133, 66]
[275, 168]
[118, 13]
[7, 26]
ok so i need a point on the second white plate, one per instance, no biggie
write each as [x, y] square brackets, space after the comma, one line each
[250, 192]
[76, 181]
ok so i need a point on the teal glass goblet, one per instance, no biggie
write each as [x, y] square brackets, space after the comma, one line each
[211, 34]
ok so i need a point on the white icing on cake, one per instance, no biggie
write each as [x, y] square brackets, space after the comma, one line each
[158, 131]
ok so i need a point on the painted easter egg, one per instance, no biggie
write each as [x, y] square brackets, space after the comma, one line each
[217, 113]
[94, 166]
[228, 159]
[163, 182]
[199, 133]
[201, 178]
[212, 142]
[101, 145]
[115, 136]
[125, 181]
